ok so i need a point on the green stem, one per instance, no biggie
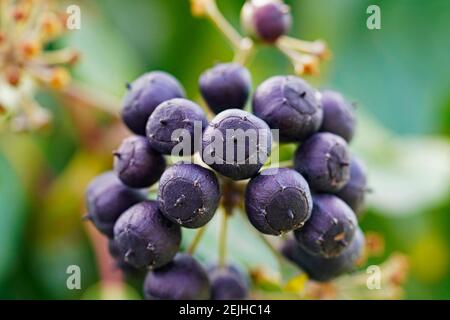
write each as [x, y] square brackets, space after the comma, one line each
[194, 244]
[222, 24]
[223, 239]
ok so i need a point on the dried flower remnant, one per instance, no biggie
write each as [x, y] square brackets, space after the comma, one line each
[26, 28]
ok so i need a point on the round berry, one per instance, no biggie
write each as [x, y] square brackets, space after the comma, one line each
[266, 20]
[225, 86]
[176, 121]
[188, 194]
[354, 192]
[145, 94]
[278, 200]
[324, 161]
[181, 279]
[137, 165]
[330, 229]
[289, 104]
[227, 283]
[145, 237]
[322, 269]
[106, 199]
[114, 251]
[236, 144]
[338, 115]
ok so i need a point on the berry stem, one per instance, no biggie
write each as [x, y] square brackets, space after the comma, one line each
[194, 244]
[223, 238]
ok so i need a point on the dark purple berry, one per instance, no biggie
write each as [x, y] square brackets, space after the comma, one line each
[106, 199]
[114, 251]
[266, 20]
[145, 237]
[188, 194]
[338, 115]
[330, 229]
[227, 283]
[278, 200]
[354, 192]
[173, 123]
[324, 161]
[322, 269]
[236, 144]
[289, 104]
[145, 94]
[225, 86]
[137, 165]
[181, 279]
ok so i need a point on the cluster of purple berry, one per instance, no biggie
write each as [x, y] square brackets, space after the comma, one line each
[318, 200]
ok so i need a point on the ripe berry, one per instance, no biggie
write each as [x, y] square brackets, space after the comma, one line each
[324, 161]
[338, 115]
[353, 193]
[236, 144]
[137, 165]
[278, 201]
[114, 251]
[181, 279]
[290, 104]
[330, 229]
[320, 268]
[172, 115]
[225, 86]
[227, 283]
[188, 194]
[106, 199]
[145, 237]
[266, 20]
[145, 94]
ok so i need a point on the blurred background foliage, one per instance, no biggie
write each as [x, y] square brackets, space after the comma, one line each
[399, 76]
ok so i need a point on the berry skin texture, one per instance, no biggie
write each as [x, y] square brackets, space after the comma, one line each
[290, 104]
[137, 165]
[266, 20]
[354, 192]
[145, 94]
[114, 251]
[338, 115]
[322, 269]
[278, 200]
[181, 279]
[247, 153]
[172, 115]
[106, 199]
[225, 86]
[330, 229]
[324, 161]
[188, 194]
[145, 237]
[227, 283]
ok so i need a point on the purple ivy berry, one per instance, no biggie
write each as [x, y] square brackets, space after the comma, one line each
[289, 104]
[330, 229]
[278, 200]
[225, 86]
[322, 269]
[172, 115]
[145, 94]
[188, 194]
[106, 199]
[236, 144]
[324, 161]
[181, 279]
[354, 192]
[266, 20]
[338, 115]
[145, 237]
[114, 251]
[137, 165]
[227, 283]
